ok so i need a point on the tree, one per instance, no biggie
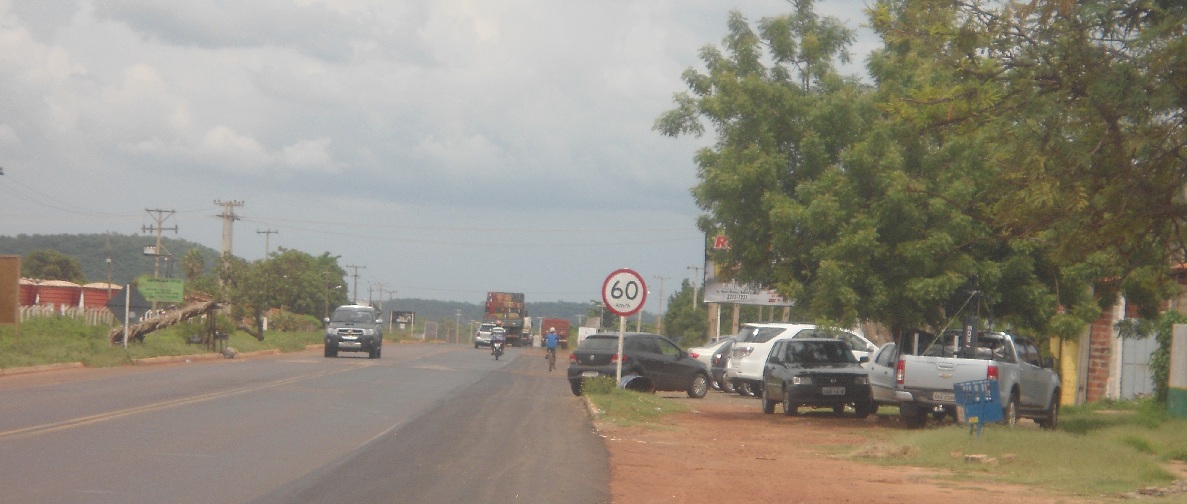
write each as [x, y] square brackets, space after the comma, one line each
[51, 265]
[993, 168]
[685, 321]
[192, 264]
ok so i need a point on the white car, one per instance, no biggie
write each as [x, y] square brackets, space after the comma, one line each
[705, 353]
[754, 342]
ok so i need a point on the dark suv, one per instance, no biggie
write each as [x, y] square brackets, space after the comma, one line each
[354, 328]
[815, 372]
[653, 362]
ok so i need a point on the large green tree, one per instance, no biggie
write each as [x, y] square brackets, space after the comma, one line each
[51, 265]
[994, 167]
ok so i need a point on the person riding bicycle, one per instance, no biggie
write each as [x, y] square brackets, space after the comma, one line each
[550, 341]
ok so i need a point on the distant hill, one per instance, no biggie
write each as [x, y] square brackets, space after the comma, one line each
[126, 251]
[128, 261]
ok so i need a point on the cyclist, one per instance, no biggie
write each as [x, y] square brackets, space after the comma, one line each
[550, 342]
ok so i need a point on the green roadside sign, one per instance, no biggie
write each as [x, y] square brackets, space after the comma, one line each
[162, 290]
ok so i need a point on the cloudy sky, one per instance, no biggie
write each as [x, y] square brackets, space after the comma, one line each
[447, 147]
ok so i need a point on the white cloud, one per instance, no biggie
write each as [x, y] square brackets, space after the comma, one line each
[441, 105]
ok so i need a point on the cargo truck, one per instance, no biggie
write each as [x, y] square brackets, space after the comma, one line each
[507, 310]
[562, 329]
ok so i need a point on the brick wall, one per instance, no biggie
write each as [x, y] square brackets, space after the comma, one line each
[1100, 351]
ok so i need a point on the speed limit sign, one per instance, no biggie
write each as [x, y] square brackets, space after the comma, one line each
[624, 292]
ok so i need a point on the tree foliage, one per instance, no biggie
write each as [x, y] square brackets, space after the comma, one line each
[51, 265]
[1024, 161]
[686, 321]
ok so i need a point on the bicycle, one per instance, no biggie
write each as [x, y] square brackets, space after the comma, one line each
[551, 359]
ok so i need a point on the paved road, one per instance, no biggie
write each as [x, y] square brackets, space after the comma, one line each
[427, 423]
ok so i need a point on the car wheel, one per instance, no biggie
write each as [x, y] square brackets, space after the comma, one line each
[790, 408]
[331, 351]
[742, 388]
[864, 409]
[838, 409]
[768, 406]
[575, 386]
[1050, 419]
[727, 387]
[1010, 412]
[913, 415]
[699, 386]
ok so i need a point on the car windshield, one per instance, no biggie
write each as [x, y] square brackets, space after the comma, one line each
[352, 316]
[819, 352]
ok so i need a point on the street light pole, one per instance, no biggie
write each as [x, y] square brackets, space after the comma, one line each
[457, 326]
[695, 282]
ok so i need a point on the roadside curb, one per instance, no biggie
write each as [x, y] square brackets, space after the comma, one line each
[40, 368]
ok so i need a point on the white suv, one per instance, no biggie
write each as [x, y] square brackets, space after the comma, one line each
[753, 345]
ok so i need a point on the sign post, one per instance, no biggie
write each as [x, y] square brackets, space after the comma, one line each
[623, 293]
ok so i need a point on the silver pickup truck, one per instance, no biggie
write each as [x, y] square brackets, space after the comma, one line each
[918, 374]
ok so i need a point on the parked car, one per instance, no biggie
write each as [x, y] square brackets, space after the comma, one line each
[717, 364]
[920, 372]
[652, 361]
[752, 344]
[815, 372]
[354, 328]
[750, 352]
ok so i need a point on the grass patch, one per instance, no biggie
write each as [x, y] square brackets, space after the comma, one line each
[624, 407]
[1106, 449]
[54, 340]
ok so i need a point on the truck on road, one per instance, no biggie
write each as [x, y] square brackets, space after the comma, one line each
[507, 310]
[919, 372]
[562, 329]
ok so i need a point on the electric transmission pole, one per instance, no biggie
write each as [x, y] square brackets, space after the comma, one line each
[696, 280]
[160, 217]
[659, 322]
[229, 218]
[267, 233]
[356, 280]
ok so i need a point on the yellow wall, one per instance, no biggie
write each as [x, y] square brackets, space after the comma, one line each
[1068, 370]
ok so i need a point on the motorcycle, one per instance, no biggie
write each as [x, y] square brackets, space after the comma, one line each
[497, 349]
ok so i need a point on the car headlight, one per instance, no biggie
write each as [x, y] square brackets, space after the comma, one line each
[368, 332]
[801, 380]
[861, 380]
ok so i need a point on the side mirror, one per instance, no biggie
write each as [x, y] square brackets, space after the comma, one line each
[326, 320]
[863, 359]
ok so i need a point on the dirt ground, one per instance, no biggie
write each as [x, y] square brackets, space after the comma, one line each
[726, 450]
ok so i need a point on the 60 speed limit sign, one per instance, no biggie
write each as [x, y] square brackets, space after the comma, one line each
[624, 292]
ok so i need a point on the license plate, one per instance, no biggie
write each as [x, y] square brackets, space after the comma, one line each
[832, 390]
[943, 396]
[589, 374]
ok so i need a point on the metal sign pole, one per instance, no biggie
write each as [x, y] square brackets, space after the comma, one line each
[127, 306]
[621, 335]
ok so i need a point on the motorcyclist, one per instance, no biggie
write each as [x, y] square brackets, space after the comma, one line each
[498, 335]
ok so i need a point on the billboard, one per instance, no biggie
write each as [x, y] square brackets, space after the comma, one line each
[720, 290]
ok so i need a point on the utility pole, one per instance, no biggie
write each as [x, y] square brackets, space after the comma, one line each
[267, 234]
[229, 218]
[356, 280]
[160, 217]
[659, 322]
[696, 281]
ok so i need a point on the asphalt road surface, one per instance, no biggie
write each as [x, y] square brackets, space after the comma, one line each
[426, 423]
